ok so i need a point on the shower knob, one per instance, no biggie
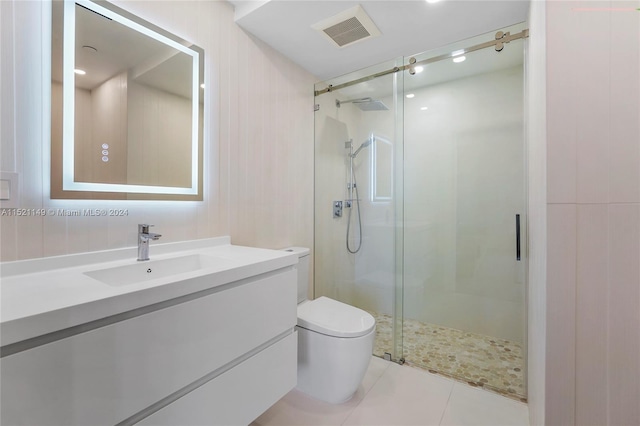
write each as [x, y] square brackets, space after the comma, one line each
[337, 209]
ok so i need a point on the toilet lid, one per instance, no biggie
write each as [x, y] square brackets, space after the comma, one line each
[333, 318]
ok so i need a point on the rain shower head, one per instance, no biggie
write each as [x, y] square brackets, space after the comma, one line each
[372, 105]
[365, 104]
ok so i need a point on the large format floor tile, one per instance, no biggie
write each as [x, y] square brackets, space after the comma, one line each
[394, 395]
[473, 406]
[298, 409]
[405, 396]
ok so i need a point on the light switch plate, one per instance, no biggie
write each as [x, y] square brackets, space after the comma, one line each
[9, 190]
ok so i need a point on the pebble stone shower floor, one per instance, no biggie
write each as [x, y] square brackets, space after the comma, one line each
[483, 361]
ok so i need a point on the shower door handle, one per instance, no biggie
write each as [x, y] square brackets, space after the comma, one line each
[518, 237]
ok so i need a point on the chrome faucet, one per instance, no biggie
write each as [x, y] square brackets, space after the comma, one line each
[143, 241]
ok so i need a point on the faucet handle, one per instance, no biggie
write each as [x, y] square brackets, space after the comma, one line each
[143, 228]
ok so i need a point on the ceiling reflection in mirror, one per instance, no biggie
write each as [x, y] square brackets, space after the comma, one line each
[127, 107]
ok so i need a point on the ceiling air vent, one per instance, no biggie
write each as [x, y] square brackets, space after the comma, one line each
[348, 27]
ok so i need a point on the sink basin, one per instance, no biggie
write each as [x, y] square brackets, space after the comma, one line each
[151, 270]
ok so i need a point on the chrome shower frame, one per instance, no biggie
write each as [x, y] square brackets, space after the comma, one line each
[354, 101]
[364, 104]
[501, 38]
[349, 144]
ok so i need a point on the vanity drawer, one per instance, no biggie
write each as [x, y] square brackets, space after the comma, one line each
[240, 395]
[106, 375]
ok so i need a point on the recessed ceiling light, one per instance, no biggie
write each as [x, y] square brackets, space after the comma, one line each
[79, 71]
[433, 1]
[459, 59]
[202, 86]
[410, 95]
[424, 108]
[418, 69]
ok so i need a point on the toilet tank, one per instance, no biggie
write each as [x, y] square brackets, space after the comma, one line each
[303, 271]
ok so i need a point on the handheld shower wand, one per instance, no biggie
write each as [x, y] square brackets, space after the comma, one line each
[364, 145]
[351, 186]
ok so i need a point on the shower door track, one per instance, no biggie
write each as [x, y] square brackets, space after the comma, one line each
[499, 42]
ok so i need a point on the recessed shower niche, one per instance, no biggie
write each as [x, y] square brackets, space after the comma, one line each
[127, 107]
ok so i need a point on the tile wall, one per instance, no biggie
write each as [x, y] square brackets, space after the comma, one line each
[593, 213]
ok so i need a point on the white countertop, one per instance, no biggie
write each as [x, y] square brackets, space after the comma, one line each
[40, 296]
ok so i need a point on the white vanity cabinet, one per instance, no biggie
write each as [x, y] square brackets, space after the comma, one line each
[219, 356]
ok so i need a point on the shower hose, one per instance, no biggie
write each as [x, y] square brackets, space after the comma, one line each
[355, 185]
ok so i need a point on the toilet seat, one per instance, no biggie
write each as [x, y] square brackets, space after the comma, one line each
[333, 318]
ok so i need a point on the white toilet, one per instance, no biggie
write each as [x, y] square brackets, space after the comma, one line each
[335, 342]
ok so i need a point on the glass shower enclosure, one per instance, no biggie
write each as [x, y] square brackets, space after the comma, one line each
[420, 207]
[357, 210]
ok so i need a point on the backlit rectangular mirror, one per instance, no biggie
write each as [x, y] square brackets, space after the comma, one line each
[127, 107]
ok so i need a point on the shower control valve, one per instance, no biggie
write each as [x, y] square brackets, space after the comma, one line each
[337, 209]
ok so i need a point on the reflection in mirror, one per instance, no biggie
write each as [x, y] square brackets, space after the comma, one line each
[127, 107]
[381, 170]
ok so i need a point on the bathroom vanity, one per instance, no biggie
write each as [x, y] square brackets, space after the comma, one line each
[203, 333]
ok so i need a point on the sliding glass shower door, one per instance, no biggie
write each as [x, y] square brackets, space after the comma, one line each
[464, 205]
[420, 189]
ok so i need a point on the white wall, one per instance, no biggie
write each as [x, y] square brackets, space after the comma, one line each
[335, 268]
[159, 137]
[258, 133]
[593, 204]
[108, 117]
[375, 268]
[364, 279]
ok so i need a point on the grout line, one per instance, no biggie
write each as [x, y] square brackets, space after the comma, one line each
[447, 404]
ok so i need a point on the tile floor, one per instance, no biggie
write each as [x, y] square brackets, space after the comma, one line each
[484, 361]
[394, 395]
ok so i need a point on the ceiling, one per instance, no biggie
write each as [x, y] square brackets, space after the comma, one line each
[478, 62]
[407, 27]
[105, 48]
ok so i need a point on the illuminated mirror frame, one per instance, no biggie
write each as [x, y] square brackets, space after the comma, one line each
[375, 197]
[68, 129]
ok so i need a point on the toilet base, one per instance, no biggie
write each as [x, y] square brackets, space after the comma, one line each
[331, 368]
